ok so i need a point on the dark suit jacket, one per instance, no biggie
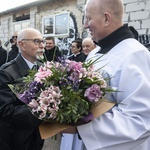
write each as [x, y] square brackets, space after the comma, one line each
[3, 55]
[78, 58]
[13, 53]
[49, 54]
[18, 127]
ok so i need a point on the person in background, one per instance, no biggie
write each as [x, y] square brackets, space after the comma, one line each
[88, 45]
[14, 48]
[3, 54]
[51, 50]
[76, 49]
[19, 129]
[127, 62]
[89, 48]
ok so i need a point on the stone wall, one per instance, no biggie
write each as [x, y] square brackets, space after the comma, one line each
[137, 14]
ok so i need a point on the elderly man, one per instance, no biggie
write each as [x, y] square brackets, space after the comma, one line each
[89, 48]
[18, 127]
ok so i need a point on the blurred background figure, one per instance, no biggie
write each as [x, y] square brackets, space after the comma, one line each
[14, 48]
[51, 50]
[89, 48]
[88, 45]
[76, 49]
[3, 54]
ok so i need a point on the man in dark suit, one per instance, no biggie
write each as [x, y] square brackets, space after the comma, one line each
[19, 129]
[76, 49]
[51, 50]
[3, 54]
[14, 48]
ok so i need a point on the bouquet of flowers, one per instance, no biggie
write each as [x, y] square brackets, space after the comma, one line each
[64, 91]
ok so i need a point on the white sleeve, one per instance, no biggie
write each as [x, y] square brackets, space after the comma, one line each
[128, 121]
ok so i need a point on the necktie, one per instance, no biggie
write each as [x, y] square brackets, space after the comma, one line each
[35, 67]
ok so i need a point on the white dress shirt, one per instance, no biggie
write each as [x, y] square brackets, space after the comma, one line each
[127, 125]
[30, 64]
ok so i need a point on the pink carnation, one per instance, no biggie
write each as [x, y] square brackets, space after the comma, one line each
[93, 93]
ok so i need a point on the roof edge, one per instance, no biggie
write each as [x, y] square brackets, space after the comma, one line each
[28, 5]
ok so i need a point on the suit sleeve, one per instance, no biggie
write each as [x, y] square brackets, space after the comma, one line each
[13, 111]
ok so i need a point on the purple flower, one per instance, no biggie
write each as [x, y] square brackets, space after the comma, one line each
[93, 93]
[26, 97]
[35, 87]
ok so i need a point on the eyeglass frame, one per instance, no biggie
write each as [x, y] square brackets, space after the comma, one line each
[14, 37]
[73, 47]
[35, 41]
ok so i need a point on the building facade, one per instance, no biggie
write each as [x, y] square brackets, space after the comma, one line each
[64, 19]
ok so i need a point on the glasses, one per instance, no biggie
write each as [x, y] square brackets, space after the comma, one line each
[73, 46]
[14, 37]
[35, 41]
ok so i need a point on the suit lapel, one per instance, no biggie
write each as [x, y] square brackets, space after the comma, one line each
[22, 65]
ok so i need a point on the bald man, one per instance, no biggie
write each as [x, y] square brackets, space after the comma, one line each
[19, 129]
[88, 45]
[89, 48]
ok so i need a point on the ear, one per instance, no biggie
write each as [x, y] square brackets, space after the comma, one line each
[107, 18]
[21, 45]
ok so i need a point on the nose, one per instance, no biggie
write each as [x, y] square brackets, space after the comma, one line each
[86, 24]
[42, 45]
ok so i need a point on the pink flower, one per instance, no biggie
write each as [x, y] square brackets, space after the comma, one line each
[93, 93]
[34, 105]
[75, 65]
[42, 74]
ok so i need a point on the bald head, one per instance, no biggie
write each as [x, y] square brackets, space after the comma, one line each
[88, 45]
[112, 6]
[103, 17]
[27, 33]
[30, 43]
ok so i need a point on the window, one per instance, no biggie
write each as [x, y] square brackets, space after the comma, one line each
[48, 25]
[56, 25]
[17, 26]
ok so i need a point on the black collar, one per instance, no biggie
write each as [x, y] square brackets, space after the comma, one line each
[114, 38]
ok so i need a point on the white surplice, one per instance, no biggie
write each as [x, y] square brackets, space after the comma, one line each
[127, 125]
